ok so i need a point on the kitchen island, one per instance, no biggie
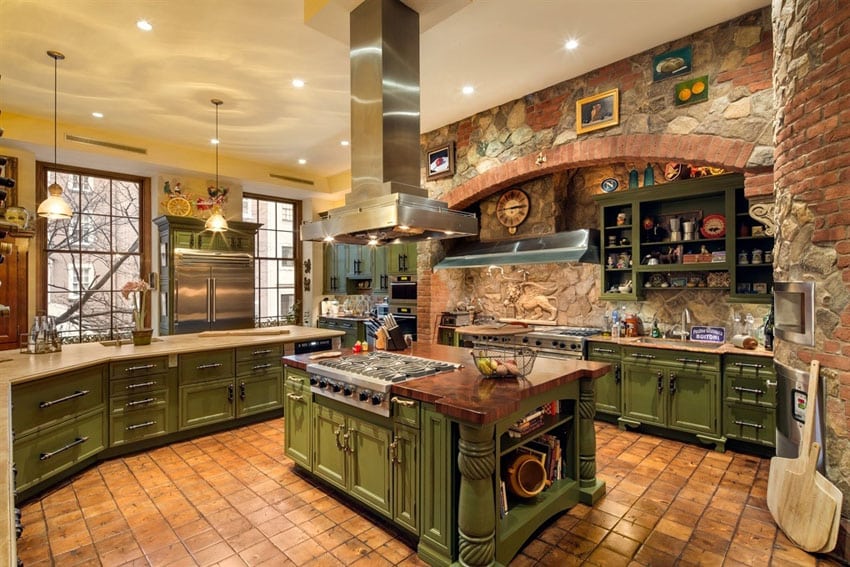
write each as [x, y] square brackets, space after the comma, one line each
[437, 421]
[87, 393]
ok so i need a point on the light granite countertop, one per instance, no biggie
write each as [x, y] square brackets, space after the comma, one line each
[16, 367]
[689, 346]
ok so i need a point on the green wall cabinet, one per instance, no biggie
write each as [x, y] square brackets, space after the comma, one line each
[335, 267]
[609, 400]
[380, 271]
[402, 259]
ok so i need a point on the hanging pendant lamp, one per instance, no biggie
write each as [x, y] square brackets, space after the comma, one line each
[216, 221]
[55, 207]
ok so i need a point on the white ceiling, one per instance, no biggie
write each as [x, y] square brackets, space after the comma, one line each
[159, 84]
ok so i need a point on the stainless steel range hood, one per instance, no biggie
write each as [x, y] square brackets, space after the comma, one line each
[571, 246]
[386, 202]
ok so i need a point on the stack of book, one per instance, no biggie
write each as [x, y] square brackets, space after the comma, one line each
[527, 424]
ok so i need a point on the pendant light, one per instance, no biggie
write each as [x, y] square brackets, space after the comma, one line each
[55, 207]
[216, 221]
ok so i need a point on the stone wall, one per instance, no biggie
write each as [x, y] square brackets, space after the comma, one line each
[812, 172]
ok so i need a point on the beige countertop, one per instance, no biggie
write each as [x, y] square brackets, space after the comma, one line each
[16, 367]
[675, 344]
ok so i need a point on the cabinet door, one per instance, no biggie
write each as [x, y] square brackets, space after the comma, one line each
[693, 401]
[298, 421]
[329, 442]
[405, 457]
[437, 506]
[359, 262]
[380, 277]
[258, 392]
[368, 449]
[13, 294]
[608, 390]
[206, 402]
[402, 258]
[334, 265]
[644, 394]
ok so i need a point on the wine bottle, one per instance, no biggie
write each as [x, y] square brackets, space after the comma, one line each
[768, 330]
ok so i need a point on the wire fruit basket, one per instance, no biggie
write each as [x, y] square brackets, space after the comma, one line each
[504, 362]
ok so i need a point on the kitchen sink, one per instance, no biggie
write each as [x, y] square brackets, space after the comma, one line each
[677, 342]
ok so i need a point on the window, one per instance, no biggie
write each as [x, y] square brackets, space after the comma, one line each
[277, 254]
[88, 258]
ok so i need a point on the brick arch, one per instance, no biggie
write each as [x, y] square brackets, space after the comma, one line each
[730, 154]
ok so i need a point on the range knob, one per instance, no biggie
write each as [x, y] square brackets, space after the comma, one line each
[377, 399]
[323, 384]
[313, 380]
[347, 391]
[336, 387]
[364, 395]
[538, 342]
[562, 345]
[574, 346]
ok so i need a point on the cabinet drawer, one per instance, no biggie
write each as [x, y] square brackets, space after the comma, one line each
[203, 366]
[130, 426]
[258, 367]
[135, 368]
[296, 379]
[759, 391]
[137, 401]
[675, 359]
[603, 351]
[405, 411]
[258, 352]
[45, 402]
[137, 385]
[750, 423]
[40, 456]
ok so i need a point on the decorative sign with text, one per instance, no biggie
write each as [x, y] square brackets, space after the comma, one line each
[708, 334]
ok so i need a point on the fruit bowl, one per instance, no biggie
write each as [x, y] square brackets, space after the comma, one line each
[504, 362]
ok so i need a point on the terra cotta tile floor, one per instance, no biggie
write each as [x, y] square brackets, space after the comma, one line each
[233, 499]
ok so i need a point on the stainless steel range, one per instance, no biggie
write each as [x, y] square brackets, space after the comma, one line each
[364, 380]
[550, 342]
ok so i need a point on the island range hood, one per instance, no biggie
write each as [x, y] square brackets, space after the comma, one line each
[570, 246]
[386, 203]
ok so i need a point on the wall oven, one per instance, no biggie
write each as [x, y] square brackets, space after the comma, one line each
[402, 288]
[405, 316]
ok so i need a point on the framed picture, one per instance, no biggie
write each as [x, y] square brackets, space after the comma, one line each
[743, 287]
[598, 111]
[760, 287]
[441, 161]
[672, 63]
[691, 91]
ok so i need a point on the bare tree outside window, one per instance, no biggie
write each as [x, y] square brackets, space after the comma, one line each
[92, 255]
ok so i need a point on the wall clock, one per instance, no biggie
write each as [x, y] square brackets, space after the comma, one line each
[512, 208]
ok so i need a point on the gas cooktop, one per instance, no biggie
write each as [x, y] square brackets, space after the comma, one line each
[566, 331]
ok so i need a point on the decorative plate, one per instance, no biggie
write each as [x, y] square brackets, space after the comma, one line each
[610, 184]
[673, 171]
[713, 226]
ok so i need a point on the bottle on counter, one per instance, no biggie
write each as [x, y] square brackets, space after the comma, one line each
[768, 330]
[656, 332]
[615, 324]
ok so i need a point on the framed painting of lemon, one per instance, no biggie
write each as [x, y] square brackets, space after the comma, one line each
[692, 90]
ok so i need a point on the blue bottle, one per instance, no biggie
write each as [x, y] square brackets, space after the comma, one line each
[648, 176]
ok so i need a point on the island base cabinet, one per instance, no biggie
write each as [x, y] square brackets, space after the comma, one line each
[298, 418]
[204, 403]
[129, 426]
[258, 393]
[40, 456]
[329, 445]
[404, 454]
[437, 541]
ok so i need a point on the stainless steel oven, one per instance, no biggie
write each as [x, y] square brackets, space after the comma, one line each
[402, 288]
[405, 315]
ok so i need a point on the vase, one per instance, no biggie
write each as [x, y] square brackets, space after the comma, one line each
[142, 336]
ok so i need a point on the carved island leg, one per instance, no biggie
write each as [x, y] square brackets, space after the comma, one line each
[476, 517]
[591, 489]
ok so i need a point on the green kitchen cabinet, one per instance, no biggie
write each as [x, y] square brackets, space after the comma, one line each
[352, 454]
[749, 399]
[402, 259]
[404, 457]
[608, 387]
[380, 271]
[205, 403]
[335, 266]
[676, 390]
[359, 262]
[141, 400]
[298, 415]
[258, 378]
[438, 514]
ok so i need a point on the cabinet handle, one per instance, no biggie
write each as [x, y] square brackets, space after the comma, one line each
[672, 383]
[618, 371]
[605, 350]
[770, 383]
[296, 397]
[242, 391]
[660, 382]
[261, 366]
[230, 392]
[141, 425]
[295, 380]
[208, 366]
[755, 391]
[261, 352]
[140, 385]
[339, 444]
[749, 365]
[141, 367]
[68, 398]
[747, 424]
[693, 360]
[394, 451]
[348, 448]
[642, 355]
[141, 402]
[401, 402]
[71, 445]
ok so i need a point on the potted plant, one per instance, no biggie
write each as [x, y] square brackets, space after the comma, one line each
[139, 289]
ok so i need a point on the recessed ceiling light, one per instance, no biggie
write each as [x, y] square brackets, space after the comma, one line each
[214, 141]
[144, 25]
[97, 114]
[298, 83]
[343, 142]
[571, 44]
[302, 161]
[468, 90]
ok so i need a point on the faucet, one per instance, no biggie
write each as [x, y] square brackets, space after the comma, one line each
[681, 329]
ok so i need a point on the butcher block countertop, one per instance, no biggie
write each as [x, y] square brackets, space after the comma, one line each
[467, 396]
[688, 346]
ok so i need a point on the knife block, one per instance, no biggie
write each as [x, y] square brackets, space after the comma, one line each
[395, 340]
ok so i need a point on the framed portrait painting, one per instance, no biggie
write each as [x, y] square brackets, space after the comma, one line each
[440, 161]
[598, 111]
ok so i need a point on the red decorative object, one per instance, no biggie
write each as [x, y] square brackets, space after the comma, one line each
[713, 226]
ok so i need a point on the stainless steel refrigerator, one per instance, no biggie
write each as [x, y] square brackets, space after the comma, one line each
[213, 291]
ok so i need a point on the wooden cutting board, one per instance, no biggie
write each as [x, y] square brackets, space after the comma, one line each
[495, 330]
[244, 332]
[804, 504]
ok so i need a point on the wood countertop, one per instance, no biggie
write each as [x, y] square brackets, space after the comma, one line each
[467, 396]
[688, 346]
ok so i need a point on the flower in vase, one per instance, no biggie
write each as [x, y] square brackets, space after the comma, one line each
[139, 290]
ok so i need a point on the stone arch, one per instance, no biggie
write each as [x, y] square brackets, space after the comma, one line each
[728, 153]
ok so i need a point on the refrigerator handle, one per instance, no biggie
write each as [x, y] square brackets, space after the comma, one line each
[211, 293]
[176, 311]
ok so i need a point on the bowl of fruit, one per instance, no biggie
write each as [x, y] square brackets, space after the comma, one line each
[504, 363]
